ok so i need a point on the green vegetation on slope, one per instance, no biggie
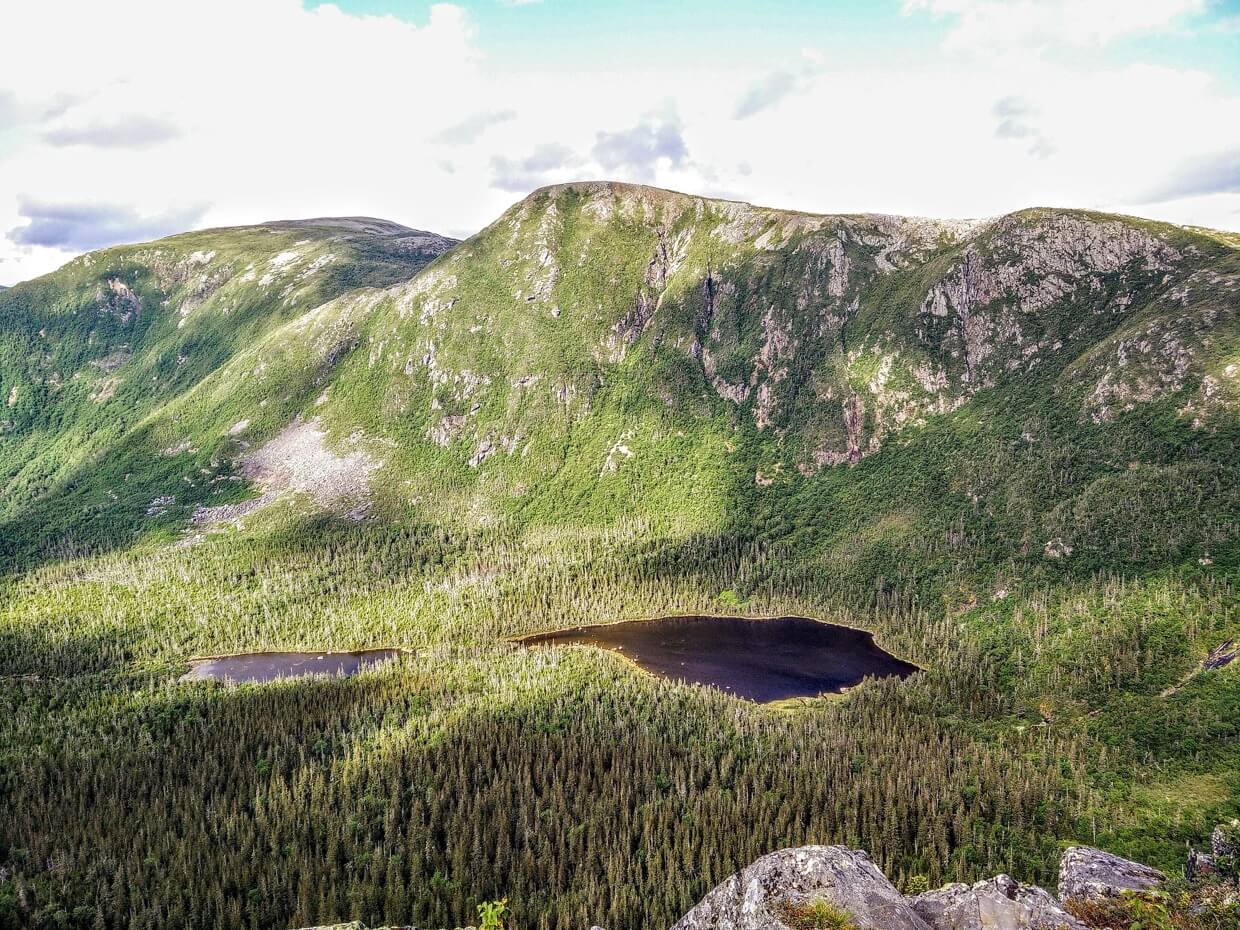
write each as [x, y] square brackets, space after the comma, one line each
[99, 361]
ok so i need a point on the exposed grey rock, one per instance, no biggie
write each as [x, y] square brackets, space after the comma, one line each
[1225, 840]
[1085, 872]
[484, 451]
[119, 301]
[751, 899]
[228, 513]
[1198, 865]
[299, 459]
[159, 506]
[1221, 655]
[999, 903]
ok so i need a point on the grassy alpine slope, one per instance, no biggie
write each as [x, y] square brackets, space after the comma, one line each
[93, 356]
[1007, 447]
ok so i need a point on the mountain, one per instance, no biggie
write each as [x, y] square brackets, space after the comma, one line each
[604, 347]
[1006, 448]
[97, 353]
[610, 343]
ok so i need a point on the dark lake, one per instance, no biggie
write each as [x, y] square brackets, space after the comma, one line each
[266, 666]
[762, 660]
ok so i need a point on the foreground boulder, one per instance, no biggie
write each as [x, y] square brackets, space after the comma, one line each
[1085, 872]
[761, 896]
[999, 903]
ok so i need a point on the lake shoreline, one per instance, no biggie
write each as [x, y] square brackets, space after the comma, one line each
[762, 659]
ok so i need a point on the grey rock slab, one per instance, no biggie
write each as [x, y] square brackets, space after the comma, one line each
[999, 903]
[1085, 872]
[752, 898]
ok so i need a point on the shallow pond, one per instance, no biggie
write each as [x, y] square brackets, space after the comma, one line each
[267, 666]
[762, 660]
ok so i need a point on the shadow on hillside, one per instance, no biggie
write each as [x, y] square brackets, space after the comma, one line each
[142, 782]
[52, 652]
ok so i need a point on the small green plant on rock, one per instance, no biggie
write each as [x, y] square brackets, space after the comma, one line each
[917, 884]
[818, 914]
[491, 914]
[1149, 912]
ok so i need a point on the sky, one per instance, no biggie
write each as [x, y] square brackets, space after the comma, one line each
[132, 119]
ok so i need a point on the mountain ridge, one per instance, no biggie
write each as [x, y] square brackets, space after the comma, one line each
[828, 334]
[610, 186]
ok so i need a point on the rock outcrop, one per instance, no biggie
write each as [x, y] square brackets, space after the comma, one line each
[1085, 872]
[1225, 840]
[1199, 865]
[756, 897]
[1224, 851]
[773, 893]
[999, 903]
[765, 895]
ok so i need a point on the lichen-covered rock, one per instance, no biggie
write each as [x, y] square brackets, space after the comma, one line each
[1225, 840]
[1085, 872]
[999, 903]
[1198, 865]
[754, 897]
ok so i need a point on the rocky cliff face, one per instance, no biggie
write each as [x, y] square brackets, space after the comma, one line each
[829, 333]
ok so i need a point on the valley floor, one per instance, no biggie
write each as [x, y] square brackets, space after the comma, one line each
[579, 788]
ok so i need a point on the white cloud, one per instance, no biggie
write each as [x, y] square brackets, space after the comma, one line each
[638, 151]
[997, 25]
[1017, 119]
[259, 108]
[765, 92]
[80, 227]
[1216, 173]
[472, 127]
[250, 110]
[546, 164]
[133, 131]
